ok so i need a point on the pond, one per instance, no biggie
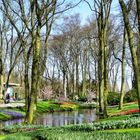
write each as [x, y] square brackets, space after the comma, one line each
[60, 118]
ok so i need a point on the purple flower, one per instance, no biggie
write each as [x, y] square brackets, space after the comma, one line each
[13, 114]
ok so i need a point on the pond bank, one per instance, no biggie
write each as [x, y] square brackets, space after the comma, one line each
[42, 107]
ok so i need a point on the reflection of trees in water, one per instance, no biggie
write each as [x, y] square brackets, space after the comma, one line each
[11, 122]
[60, 118]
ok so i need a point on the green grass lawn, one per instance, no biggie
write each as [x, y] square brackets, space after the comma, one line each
[61, 134]
[128, 106]
[119, 117]
[46, 106]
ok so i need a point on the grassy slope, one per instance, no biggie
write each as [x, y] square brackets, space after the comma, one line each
[44, 106]
[114, 110]
[60, 134]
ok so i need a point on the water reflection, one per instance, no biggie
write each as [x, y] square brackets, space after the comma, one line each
[11, 122]
[67, 118]
[60, 118]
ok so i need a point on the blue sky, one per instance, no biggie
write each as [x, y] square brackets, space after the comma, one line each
[85, 11]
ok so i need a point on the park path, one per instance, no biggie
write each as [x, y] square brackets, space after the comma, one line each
[12, 105]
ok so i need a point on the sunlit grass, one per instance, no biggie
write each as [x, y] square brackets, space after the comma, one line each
[61, 134]
[114, 110]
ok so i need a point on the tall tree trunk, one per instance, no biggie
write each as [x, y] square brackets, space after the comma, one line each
[77, 75]
[132, 48]
[138, 17]
[26, 84]
[72, 80]
[64, 84]
[115, 79]
[105, 71]
[138, 12]
[84, 74]
[7, 82]
[123, 71]
[1, 65]
[101, 62]
[102, 22]
[67, 79]
[35, 77]
[101, 81]
[1, 78]
[52, 81]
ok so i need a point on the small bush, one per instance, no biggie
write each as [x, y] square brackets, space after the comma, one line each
[130, 96]
[82, 99]
[113, 98]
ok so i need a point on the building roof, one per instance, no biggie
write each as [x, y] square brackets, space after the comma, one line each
[12, 84]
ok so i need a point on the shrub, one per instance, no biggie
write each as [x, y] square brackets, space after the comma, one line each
[82, 99]
[130, 96]
[113, 98]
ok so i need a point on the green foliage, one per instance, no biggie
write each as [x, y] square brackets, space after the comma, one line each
[82, 99]
[63, 134]
[22, 127]
[87, 106]
[130, 96]
[66, 107]
[73, 135]
[113, 98]
[19, 137]
[114, 110]
[80, 132]
[4, 116]
[133, 122]
[118, 117]
[45, 106]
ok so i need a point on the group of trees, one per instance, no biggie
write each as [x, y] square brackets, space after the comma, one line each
[29, 21]
[67, 55]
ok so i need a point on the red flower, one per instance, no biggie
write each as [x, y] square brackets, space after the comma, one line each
[128, 112]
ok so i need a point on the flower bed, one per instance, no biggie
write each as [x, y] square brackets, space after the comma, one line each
[132, 111]
[10, 114]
